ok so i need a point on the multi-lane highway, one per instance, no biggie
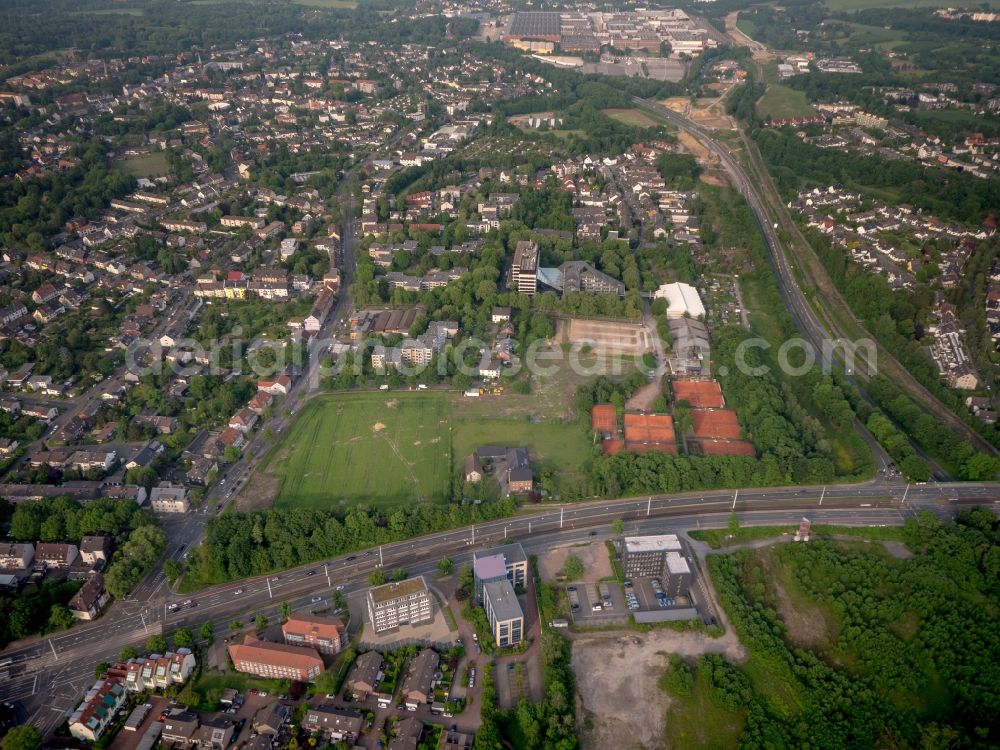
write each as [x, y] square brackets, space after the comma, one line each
[49, 674]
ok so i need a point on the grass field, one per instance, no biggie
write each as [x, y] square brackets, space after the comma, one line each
[781, 101]
[150, 165]
[636, 118]
[695, 721]
[389, 448]
[369, 447]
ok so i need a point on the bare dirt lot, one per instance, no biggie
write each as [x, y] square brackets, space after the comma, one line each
[257, 494]
[619, 703]
[695, 149]
[593, 555]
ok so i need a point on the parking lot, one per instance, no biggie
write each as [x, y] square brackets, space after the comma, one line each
[588, 594]
[645, 595]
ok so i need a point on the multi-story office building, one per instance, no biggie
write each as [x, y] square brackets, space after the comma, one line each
[678, 578]
[507, 561]
[524, 272]
[503, 612]
[645, 556]
[400, 603]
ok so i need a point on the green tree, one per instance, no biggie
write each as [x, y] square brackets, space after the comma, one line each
[23, 737]
[235, 625]
[128, 652]
[207, 633]
[171, 569]
[183, 638]
[733, 524]
[101, 668]
[398, 575]
[618, 527]
[156, 644]
[376, 578]
[465, 583]
[286, 610]
[260, 623]
[445, 566]
[60, 618]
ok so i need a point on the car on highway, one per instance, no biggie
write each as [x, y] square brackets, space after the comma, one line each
[187, 603]
[238, 592]
[174, 606]
[316, 599]
[352, 558]
[311, 573]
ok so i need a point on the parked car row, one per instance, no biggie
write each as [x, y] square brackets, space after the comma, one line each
[631, 601]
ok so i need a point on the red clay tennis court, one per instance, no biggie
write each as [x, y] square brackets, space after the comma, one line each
[726, 448]
[612, 446]
[719, 424]
[701, 394]
[602, 418]
[633, 447]
[644, 432]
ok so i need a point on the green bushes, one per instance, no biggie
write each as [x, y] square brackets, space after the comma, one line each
[910, 647]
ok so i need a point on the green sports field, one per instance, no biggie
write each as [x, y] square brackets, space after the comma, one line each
[395, 447]
[781, 101]
[374, 448]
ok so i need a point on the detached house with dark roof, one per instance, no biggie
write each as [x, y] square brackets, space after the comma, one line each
[90, 600]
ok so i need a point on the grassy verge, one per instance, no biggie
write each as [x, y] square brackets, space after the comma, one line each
[719, 538]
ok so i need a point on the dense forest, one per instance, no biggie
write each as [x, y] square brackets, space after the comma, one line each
[901, 650]
[945, 193]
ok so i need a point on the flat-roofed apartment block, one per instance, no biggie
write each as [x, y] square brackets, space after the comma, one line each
[401, 603]
[645, 556]
[326, 634]
[524, 272]
[503, 612]
[494, 564]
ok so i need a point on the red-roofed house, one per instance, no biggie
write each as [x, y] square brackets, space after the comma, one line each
[261, 401]
[278, 386]
[230, 436]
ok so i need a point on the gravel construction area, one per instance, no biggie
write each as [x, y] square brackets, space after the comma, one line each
[619, 703]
